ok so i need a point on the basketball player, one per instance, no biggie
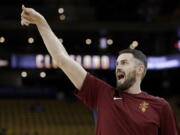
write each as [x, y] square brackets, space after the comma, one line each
[124, 110]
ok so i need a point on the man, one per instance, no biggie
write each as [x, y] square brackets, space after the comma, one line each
[125, 110]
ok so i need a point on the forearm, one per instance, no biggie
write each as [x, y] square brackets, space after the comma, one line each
[52, 43]
[71, 68]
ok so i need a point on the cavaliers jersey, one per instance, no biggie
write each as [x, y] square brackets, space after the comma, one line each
[124, 113]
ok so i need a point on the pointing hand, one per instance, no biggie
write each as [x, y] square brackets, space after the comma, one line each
[30, 16]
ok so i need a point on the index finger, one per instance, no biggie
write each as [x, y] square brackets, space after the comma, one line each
[25, 9]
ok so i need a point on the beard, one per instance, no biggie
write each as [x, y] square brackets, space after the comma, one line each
[127, 83]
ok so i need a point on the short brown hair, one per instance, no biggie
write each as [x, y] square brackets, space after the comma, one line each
[138, 55]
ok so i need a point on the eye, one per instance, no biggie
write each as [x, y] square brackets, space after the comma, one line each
[116, 63]
[124, 62]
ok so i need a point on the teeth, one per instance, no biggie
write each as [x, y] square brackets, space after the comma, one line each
[120, 76]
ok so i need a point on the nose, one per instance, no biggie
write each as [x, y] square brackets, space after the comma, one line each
[118, 69]
[118, 65]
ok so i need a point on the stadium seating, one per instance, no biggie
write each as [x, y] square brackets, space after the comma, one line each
[51, 117]
[45, 117]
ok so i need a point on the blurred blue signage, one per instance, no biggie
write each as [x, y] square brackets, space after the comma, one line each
[104, 62]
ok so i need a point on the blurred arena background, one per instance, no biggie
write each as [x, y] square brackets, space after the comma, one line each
[36, 98]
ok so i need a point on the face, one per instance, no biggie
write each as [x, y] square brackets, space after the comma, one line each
[125, 71]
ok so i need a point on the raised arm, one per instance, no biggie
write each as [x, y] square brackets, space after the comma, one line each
[75, 72]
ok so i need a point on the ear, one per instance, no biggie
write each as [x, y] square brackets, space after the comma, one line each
[140, 69]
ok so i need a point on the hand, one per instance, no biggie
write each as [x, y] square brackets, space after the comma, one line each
[133, 45]
[30, 16]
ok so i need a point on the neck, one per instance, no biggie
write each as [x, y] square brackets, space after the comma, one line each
[134, 89]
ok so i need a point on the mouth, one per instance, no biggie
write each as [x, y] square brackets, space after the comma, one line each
[120, 76]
